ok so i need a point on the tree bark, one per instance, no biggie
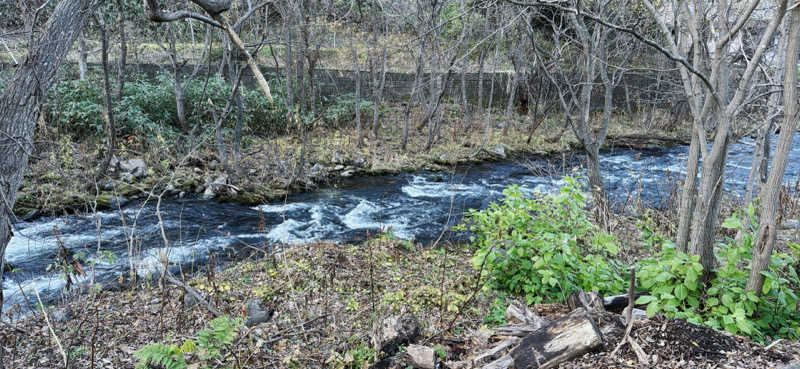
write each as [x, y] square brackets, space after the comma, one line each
[123, 51]
[20, 104]
[712, 181]
[357, 107]
[568, 337]
[378, 95]
[768, 224]
[82, 67]
[688, 195]
[111, 126]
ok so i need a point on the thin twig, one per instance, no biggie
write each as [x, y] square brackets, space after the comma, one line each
[192, 292]
[52, 331]
[628, 314]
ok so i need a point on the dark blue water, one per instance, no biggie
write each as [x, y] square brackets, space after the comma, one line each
[416, 206]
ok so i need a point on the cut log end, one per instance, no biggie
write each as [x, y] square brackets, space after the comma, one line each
[566, 338]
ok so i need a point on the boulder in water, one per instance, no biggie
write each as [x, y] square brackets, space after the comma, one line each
[499, 151]
[216, 186]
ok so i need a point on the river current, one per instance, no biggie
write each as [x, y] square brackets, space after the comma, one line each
[414, 206]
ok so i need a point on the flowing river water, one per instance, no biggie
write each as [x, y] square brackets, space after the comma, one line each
[414, 206]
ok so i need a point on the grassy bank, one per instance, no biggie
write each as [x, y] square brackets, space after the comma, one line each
[325, 299]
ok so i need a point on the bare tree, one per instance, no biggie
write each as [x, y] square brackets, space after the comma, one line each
[213, 16]
[122, 75]
[111, 126]
[601, 55]
[20, 104]
[357, 75]
[82, 55]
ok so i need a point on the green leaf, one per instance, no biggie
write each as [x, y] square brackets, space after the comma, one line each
[646, 299]
[767, 286]
[652, 309]
[727, 300]
[681, 292]
[732, 223]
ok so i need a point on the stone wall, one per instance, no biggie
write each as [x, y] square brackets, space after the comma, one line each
[331, 83]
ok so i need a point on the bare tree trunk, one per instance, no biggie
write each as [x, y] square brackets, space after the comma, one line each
[234, 70]
[712, 181]
[123, 51]
[513, 91]
[82, 68]
[180, 99]
[760, 157]
[357, 71]
[287, 30]
[688, 195]
[706, 211]
[768, 224]
[481, 62]
[465, 110]
[111, 129]
[417, 81]
[20, 103]
[487, 128]
[378, 95]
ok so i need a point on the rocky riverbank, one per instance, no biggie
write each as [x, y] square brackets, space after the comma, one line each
[61, 176]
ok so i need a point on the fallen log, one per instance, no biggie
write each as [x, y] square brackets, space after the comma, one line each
[616, 304]
[568, 337]
[494, 351]
[644, 142]
[515, 330]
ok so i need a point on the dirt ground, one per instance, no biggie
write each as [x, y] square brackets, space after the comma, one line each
[325, 300]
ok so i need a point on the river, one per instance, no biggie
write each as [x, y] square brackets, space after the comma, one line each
[414, 206]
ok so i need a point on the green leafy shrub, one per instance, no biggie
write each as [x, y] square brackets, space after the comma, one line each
[672, 279]
[148, 107]
[543, 248]
[342, 110]
[209, 345]
[497, 311]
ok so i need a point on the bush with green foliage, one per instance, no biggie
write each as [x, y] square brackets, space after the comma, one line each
[148, 107]
[543, 248]
[209, 345]
[341, 110]
[672, 278]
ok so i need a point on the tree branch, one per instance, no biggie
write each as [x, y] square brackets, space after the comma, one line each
[633, 33]
[155, 14]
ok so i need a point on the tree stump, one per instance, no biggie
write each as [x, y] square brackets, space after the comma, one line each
[568, 337]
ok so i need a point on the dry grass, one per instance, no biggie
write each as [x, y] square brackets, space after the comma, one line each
[326, 298]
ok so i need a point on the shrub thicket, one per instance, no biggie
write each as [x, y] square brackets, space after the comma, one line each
[544, 248]
[148, 108]
[672, 279]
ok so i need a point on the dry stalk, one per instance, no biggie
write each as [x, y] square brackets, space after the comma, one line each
[52, 331]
